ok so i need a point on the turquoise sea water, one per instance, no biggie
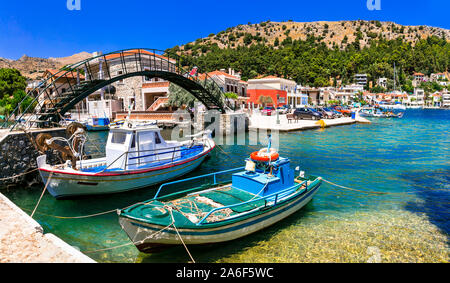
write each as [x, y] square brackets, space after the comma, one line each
[408, 159]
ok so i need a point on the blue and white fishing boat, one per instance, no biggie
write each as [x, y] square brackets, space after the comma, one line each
[137, 156]
[231, 206]
[97, 124]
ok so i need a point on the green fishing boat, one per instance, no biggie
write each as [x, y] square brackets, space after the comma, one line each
[234, 204]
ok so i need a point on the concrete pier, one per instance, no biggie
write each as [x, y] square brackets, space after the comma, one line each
[258, 121]
[22, 240]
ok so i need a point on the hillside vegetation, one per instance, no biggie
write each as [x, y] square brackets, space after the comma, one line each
[320, 53]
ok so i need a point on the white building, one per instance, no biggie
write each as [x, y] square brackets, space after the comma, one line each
[294, 95]
[417, 99]
[361, 79]
[382, 82]
[446, 99]
[230, 82]
[346, 93]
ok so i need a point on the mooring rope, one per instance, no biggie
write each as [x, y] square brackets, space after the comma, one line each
[231, 158]
[19, 175]
[179, 236]
[78, 217]
[45, 188]
[366, 192]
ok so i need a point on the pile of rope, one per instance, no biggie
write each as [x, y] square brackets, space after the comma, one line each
[75, 143]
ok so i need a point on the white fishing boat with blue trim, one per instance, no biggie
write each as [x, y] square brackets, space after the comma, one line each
[137, 156]
[234, 203]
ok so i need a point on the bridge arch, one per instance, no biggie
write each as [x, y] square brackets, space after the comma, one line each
[64, 89]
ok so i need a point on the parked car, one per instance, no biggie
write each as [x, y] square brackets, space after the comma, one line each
[268, 111]
[326, 113]
[282, 110]
[344, 110]
[302, 113]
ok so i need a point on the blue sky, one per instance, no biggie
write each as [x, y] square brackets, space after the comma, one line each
[46, 28]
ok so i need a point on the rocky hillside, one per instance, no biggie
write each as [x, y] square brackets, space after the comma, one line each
[33, 68]
[338, 34]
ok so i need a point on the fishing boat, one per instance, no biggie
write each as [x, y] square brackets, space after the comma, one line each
[234, 203]
[136, 156]
[379, 113]
[97, 124]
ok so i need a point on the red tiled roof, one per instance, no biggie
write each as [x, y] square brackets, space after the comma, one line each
[220, 73]
[155, 84]
[136, 51]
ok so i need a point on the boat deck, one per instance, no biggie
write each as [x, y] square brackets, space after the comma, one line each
[196, 206]
[185, 154]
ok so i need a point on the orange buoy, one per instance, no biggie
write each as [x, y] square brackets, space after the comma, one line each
[265, 156]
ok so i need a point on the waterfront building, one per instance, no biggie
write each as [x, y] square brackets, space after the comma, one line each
[346, 93]
[436, 99]
[281, 91]
[229, 82]
[416, 99]
[361, 79]
[308, 95]
[446, 99]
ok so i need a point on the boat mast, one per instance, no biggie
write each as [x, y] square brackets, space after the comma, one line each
[394, 77]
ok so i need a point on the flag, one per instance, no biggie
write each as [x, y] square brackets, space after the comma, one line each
[193, 71]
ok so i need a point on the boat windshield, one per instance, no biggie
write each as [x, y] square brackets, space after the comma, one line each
[118, 138]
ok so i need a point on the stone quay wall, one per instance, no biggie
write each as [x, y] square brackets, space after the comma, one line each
[18, 156]
[229, 123]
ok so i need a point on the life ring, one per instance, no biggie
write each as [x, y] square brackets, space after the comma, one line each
[265, 156]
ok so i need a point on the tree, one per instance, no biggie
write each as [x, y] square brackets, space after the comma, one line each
[276, 42]
[264, 100]
[180, 97]
[10, 81]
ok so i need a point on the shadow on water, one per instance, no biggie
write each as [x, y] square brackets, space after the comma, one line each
[218, 251]
[433, 190]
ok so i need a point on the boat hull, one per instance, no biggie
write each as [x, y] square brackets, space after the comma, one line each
[91, 128]
[66, 185]
[152, 238]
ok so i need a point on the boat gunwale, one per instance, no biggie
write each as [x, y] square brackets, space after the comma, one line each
[129, 172]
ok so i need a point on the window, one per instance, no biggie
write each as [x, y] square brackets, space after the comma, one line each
[118, 138]
[147, 78]
[122, 104]
[119, 73]
[133, 141]
[157, 138]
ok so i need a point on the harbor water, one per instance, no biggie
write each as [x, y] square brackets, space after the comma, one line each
[393, 207]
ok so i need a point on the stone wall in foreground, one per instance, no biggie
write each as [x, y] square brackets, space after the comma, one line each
[18, 156]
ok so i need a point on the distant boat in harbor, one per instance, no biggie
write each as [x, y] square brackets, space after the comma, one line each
[97, 124]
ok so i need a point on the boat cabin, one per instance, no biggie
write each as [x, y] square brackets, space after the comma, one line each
[133, 147]
[257, 177]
